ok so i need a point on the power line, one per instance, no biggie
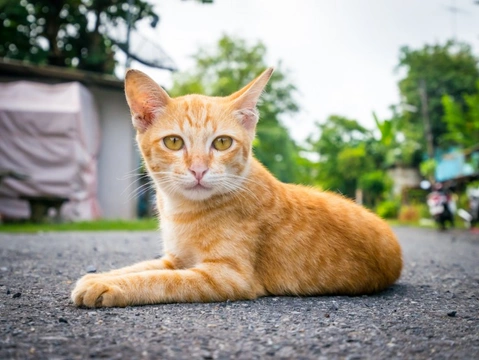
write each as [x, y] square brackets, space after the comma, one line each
[455, 10]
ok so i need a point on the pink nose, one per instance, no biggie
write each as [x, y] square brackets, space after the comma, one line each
[198, 171]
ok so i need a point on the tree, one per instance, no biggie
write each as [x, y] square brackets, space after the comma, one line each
[394, 147]
[449, 69]
[462, 120]
[227, 68]
[351, 158]
[343, 154]
[71, 33]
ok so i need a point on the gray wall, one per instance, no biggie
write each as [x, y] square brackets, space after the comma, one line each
[404, 178]
[118, 155]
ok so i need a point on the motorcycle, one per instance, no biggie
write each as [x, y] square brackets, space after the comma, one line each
[442, 208]
[471, 217]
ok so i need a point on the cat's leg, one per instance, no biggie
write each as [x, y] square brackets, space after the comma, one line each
[205, 283]
[165, 262]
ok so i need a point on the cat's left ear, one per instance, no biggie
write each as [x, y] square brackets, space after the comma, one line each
[146, 99]
[245, 100]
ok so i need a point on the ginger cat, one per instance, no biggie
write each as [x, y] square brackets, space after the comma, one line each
[230, 229]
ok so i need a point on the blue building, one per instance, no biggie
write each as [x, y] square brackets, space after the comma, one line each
[456, 163]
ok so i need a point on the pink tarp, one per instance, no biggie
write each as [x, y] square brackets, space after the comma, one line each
[51, 134]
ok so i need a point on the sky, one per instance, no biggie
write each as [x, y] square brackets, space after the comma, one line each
[341, 55]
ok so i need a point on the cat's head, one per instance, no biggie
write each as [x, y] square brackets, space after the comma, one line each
[194, 146]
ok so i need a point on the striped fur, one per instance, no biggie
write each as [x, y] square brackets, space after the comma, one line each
[243, 234]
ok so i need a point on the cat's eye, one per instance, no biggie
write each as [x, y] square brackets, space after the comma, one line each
[173, 142]
[222, 143]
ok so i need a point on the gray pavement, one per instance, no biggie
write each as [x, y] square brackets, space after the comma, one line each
[431, 313]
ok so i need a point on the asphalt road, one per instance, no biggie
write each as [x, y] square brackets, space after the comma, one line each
[432, 312]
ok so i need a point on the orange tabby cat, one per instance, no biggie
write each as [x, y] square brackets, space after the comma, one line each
[231, 230]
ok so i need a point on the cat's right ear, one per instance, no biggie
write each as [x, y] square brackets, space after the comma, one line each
[145, 98]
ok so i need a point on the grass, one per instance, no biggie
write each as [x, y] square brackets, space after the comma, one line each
[396, 222]
[98, 225]
[133, 225]
[459, 224]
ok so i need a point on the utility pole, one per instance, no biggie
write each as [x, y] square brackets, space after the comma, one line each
[426, 119]
[454, 10]
[129, 20]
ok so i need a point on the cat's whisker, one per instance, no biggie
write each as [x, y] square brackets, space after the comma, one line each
[136, 193]
[129, 176]
[165, 181]
[168, 173]
[134, 182]
[135, 170]
[250, 193]
[238, 189]
[244, 178]
[139, 194]
[140, 190]
[168, 185]
[131, 173]
[238, 184]
[170, 188]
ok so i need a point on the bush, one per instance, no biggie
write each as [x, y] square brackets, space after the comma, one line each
[409, 213]
[424, 211]
[388, 209]
[413, 213]
[462, 201]
[375, 185]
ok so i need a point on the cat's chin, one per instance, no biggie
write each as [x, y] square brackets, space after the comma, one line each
[198, 193]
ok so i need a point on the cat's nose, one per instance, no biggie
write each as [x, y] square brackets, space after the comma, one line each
[198, 171]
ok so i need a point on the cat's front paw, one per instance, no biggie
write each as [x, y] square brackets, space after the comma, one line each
[98, 291]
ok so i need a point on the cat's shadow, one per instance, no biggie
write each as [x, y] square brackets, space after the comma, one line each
[396, 290]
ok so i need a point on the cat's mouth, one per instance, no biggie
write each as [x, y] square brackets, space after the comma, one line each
[199, 187]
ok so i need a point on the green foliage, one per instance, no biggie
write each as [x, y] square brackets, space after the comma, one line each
[353, 161]
[389, 149]
[449, 69]
[472, 185]
[344, 154]
[307, 170]
[427, 168]
[386, 129]
[406, 147]
[414, 196]
[228, 67]
[351, 158]
[70, 33]
[375, 185]
[462, 119]
[277, 151]
[423, 210]
[462, 200]
[388, 209]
